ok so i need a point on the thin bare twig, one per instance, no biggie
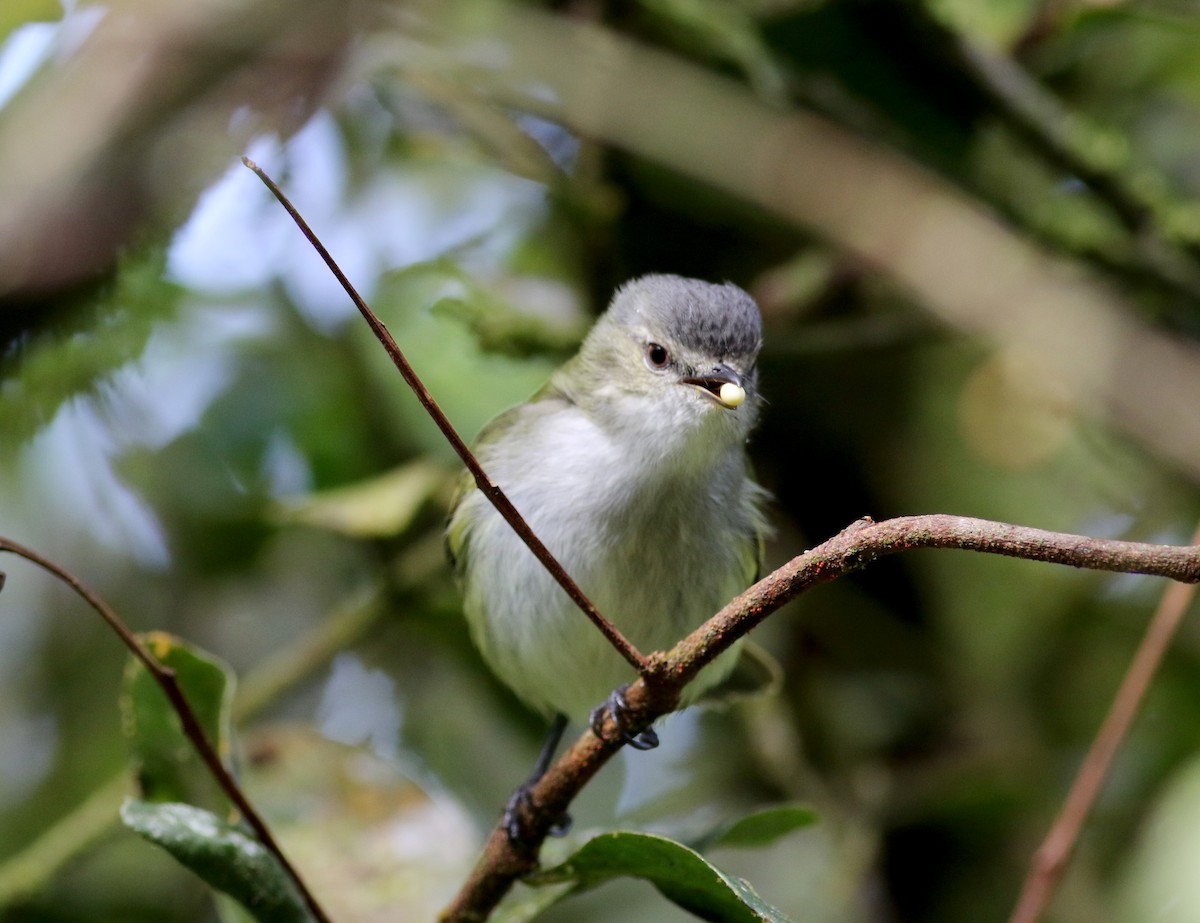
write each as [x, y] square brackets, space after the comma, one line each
[166, 679]
[490, 489]
[503, 861]
[1051, 859]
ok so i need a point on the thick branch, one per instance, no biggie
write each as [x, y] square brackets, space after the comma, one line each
[503, 861]
[490, 489]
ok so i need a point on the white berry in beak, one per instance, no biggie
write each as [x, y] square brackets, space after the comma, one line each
[731, 395]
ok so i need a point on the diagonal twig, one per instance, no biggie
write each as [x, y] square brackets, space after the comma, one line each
[1051, 859]
[166, 679]
[490, 489]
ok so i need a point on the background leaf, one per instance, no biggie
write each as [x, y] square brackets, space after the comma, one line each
[763, 827]
[381, 507]
[18, 13]
[225, 856]
[164, 761]
[681, 874]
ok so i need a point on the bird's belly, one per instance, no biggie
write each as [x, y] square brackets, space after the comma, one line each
[647, 574]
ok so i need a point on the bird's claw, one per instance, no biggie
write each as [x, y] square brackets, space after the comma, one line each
[518, 807]
[618, 708]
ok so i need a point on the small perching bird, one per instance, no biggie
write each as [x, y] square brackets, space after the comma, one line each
[630, 465]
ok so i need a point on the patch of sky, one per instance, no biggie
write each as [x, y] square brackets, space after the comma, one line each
[359, 706]
[69, 465]
[238, 238]
[30, 46]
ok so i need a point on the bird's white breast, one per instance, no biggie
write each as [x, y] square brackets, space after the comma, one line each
[653, 529]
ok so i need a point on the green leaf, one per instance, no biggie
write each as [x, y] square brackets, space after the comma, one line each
[498, 325]
[681, 874]
[501, 328]
[97, 328]
[226, 857]
[15, 13]
[163, 759]
[381, 507]
[764, 827]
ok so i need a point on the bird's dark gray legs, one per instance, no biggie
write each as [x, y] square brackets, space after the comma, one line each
[520, 798]
[645, 739]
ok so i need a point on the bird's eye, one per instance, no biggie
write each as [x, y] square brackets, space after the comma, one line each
[657, 356]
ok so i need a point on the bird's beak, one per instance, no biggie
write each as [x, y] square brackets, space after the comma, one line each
[722, 384]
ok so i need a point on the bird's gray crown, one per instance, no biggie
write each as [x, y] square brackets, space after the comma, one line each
[716, 320]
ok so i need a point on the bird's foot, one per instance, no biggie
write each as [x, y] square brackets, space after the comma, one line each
[618, 708]
[518, 808]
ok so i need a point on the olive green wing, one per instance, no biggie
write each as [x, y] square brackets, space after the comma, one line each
[546, 400]
[456, 523]
[757, 672]
[759, 530]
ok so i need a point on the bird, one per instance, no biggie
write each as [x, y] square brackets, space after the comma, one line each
[630, 465]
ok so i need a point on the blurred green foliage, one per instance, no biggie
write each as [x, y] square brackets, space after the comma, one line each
[202, 445]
